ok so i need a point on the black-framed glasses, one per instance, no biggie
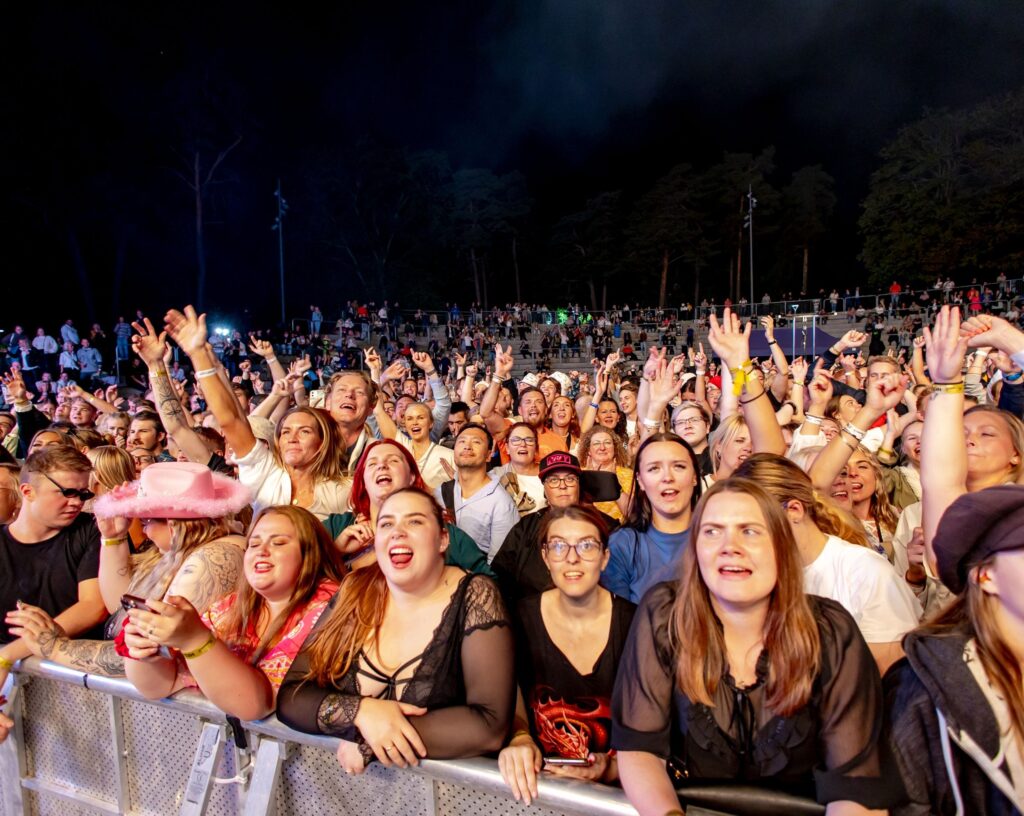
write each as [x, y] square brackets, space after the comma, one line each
[589, 549]
[71, 492]
[571, 480]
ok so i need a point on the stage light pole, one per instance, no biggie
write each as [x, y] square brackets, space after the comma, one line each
[749, 224]
[282, 210]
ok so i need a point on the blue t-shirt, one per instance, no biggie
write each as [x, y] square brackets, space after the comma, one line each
[641, 559]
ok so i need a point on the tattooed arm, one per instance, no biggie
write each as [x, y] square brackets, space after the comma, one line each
[210, 572]
[172, 414]
[46, 639]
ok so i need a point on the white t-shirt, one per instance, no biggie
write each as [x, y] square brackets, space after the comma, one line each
[430, 466]
[866, 585]
[258, 471]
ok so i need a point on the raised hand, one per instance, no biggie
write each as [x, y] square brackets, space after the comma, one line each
[989, 330]
[601, 380]
[919, 341]
[852, 339]
[261, 347]
[460, 360]
[664, 385]
[819, 392]
[654, 357]
[946, 348]
[15, 386]
[729, 341]
[148, 344]
[768, 324]
[395, 371]
[881, 396]
[423, 362]
[799, 368]
[282, 387]
[700, 359]
[300, 366]
[187, 328]
[503, 361]
[245, 366]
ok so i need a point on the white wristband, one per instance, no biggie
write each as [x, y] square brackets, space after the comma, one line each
[653, 424]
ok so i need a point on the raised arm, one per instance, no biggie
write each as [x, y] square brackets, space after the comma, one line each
[943, 451]
[100, 404]
[153, 349]
[503, 363]
[917, 362]
[442, 399]
[732, 344]
[780, 384]
[663, 387]
[189, 331]
[265, 350]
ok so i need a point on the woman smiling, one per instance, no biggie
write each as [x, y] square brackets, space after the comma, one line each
[416, 657]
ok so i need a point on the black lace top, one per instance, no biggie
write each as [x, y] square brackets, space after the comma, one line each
[829, 750]
[464, 678]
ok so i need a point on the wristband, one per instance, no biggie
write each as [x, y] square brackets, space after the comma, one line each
[854, 431]
[210, 642]
[431, 373]
[751, 399]
[700, 372]
[811, 419]
[114, 542]
[653, 424]
[497, 380]
[6, 664]
[522, 732]
[270, 359]
[948, 388]
[157, 373]
[593, 405]
[886, 451]
[206, 372]
[740, 376]
[773, 342]
[1012, 377]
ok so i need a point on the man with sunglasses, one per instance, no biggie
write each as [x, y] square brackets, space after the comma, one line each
[49, 555]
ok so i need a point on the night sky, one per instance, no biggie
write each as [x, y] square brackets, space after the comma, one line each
[581, 96]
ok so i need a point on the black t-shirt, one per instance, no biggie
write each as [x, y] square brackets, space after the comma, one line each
[47, 574]
[570, 713]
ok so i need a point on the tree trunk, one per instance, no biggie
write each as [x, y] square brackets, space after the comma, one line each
[593, 293]
[739, 254]
[807, 253]
[696, 287]
[82, 273]
[664, 279]
[515, 266]
[732, 279]
[483, 281]
[604, 296]
[476, 273]
[200, 248]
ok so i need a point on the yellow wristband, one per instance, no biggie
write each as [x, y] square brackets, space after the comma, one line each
[948, 388]
[740, 376]
[211, 641]
[114, 542]
[6, 664]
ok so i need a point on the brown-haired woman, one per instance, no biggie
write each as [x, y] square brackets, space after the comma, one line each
[563, 420]
[601, 449]
[871, 503]
[303, 469]
[240, 650]
[416, 657]
[568, 643]
[733, 674]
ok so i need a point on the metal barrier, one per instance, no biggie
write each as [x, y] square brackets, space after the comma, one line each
[84, 744]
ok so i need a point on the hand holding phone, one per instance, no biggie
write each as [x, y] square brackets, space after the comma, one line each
[571, 762]
[134, 602]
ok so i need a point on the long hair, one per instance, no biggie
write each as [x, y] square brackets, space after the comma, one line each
[790, 634]
[359, 499]
[787, 482]
[973, 613]
[574, 421]
[882, 509]
[620, 423]
[320, 561]
[640, 512]
[621, 454]
[723, 435]
[326, 465]
[112, 466]
[358, 613]
[154, 571]
[1015, 428]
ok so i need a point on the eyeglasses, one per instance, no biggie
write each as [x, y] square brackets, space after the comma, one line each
[144, 460]
[589, 549]
[522, 440]
[562, 481]
[687, 421]
[71, 492]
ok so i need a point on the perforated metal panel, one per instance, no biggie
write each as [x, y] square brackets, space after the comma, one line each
[313, 783]
[455, 800]
[68, 738]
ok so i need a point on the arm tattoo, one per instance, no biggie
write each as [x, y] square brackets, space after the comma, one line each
[216, 573]
[167, 401]
[90, 656]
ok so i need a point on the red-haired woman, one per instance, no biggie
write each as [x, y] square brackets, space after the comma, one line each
[732, 674]
[384, 467]
[416, 657]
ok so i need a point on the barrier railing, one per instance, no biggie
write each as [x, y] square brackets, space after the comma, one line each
[84, 743]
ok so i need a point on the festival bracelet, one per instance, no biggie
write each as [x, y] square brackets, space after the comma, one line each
[114, 542]
[6, 664]
[948, 388]
[210, 643]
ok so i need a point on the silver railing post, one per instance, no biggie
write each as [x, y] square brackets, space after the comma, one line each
[200, 778]
[13, 765]
[261, 798]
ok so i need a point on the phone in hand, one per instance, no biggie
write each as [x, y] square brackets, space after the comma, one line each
[568, 762]
[135, 602]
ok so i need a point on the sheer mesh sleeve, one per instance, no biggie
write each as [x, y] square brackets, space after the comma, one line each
[642, 699]
[850, 715]
[488, 668]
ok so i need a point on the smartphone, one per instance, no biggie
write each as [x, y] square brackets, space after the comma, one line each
[134, 602]
[567, 762]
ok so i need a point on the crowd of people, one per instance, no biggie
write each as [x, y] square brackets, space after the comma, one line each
[665, 571]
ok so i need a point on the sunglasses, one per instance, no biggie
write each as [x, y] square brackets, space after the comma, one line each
[71, 492]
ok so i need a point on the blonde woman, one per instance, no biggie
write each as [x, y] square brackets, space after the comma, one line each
[602, 449]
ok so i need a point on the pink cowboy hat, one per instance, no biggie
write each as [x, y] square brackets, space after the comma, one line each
[177, 490]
